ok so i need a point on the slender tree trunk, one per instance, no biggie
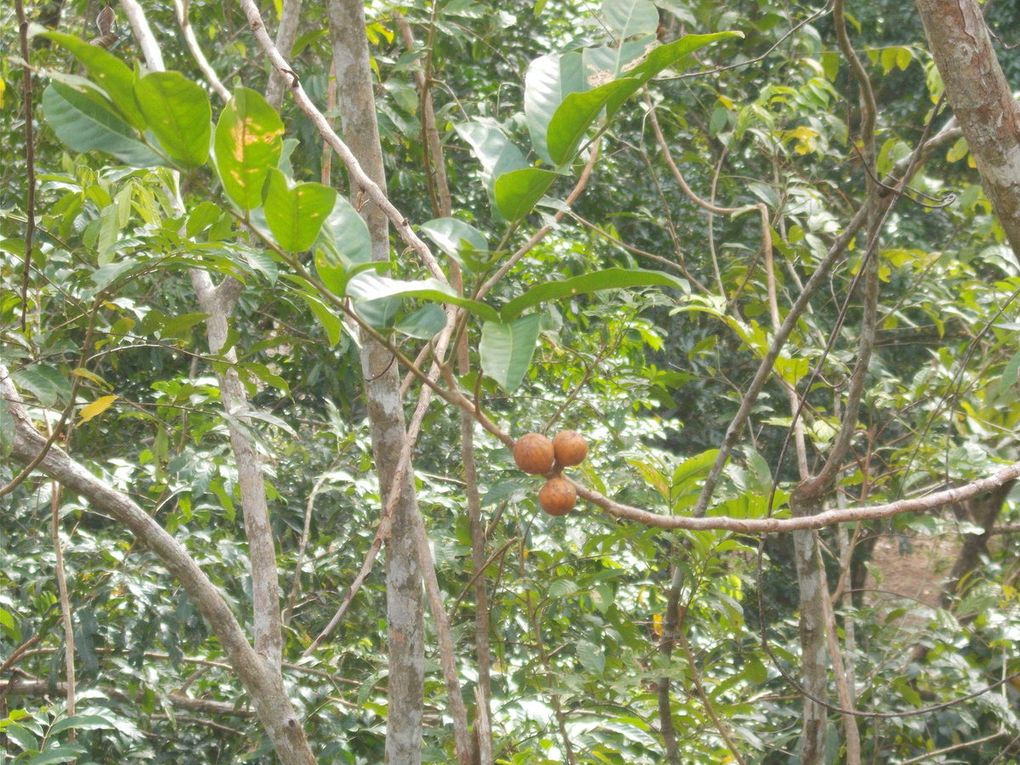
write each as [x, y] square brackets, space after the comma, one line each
[385, 406]
[981, 99]
[811, 588]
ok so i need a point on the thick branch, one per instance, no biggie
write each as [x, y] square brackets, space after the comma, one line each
[981, 99]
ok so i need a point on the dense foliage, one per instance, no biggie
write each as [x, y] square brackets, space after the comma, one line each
[639, 319]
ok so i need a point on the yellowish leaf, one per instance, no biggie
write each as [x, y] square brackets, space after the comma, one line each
[97, 407]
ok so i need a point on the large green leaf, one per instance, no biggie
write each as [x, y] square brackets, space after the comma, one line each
[249, 139]
[628, 18]
[459, 240]
[578, 110]
[178, 113]
[84, 122]
[549, 80]
[609, 279]
[344, 244]
[674, 55]
[517, 192]
[295, 215]
[108, 71]
[369, 286]
[506, 349]
[492, 148]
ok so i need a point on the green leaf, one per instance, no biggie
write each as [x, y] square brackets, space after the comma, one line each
[344, 242]
[506, 349]
[549, 80]
[611, 278]
[674, 55]
[249, 139]
[59, 754]
[22, 737]
[45, 383]
[492, 148]
[327, 317]
[424, 324]
[627, 18]
[369, 286]
[80, 722]
[85, 122]
[591, 657]
[577, 112]
[458, 240]
[178, 113]
[110, 73]
[517, 192]
[295, 215]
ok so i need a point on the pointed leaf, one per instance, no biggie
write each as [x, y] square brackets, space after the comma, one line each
[517, 192]
[368, 286]
[344, 245]
[611, 278]
[178, 113]
[578, 110]
[674, 55]
[84, 122]
[96, 408]
[295, 215]
[506, 349]
[249, 139]
[110, 73]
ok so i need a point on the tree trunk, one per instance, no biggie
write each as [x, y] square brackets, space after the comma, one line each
[811, 588]
[385, 406]
[981, 99]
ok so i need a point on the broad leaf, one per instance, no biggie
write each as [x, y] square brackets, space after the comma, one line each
[674, 55]
[295, 215]
[249, 139]
[97, 407]
[459, 240]
[611, 278]
[517, 192]
[178, 113]
[424, 324]
[492, 148]
[628, 18]
[506, 349]
[368, 287]
[549, 80]
[344, 244]
[80, 722]
[577, 112]
[107, 71]
[84, 122]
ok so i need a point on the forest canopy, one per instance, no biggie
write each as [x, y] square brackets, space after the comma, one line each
[588, 383]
